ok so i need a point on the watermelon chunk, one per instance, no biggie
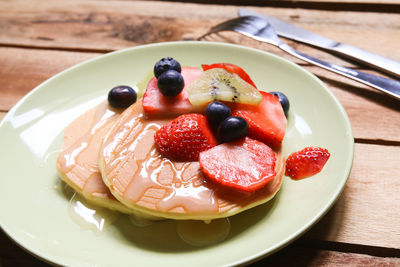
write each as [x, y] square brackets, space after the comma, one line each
[155, 103]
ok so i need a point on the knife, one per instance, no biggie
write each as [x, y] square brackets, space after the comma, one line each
[290, 31]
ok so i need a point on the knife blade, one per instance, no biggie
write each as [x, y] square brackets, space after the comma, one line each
[292, 32]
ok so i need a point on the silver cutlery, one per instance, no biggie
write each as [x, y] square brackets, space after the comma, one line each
[259, 29]
[290, 31]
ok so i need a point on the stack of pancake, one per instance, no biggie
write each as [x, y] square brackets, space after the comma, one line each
[110, 158]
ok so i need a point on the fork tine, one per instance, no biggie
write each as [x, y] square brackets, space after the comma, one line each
[227, 25]
[235, 24]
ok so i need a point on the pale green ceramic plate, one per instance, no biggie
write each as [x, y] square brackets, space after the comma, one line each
[33, 211]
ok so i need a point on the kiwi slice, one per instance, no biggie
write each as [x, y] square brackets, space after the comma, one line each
[219, 84]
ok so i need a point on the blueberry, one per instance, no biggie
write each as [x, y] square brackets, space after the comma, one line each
[170, 83]
[216, 112]
[164, 64]
[232, 128]
[284, 101]
[121, 96]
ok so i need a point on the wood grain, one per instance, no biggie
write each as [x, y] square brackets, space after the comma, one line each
[368, 210]
[373, 115]
[109, 25]
[24, 69]
[301, 256]
[388, 6]
[264, 2]
[380, 2]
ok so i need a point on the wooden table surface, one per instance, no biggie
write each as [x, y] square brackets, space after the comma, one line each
[41, 38]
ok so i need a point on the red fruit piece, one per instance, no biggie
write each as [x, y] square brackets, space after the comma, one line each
[231, 68]
[185, 137]
[156, 103]
[245, 165]
[306, 162]
[267, 121]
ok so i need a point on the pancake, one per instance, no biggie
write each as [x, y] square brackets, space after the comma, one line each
[77, 162]
[145, 181]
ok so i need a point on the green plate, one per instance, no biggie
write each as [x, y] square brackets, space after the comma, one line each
[34, 211]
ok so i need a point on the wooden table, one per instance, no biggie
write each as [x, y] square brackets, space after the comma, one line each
[41, 38]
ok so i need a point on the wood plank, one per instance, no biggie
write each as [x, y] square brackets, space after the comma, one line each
[24, 69]
[316, 4]
[293, 255]
[264, 2]
[373, 116]
[301, 256]
[368, 210]
[380, 2]
[109, 25]
[382, 6]
[366, 107]
[386, 6]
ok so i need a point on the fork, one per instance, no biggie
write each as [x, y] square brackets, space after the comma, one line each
[259, 29]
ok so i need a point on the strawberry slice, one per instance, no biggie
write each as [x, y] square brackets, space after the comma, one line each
[156, 103]
[306, 162]
[231, 68]
[245, 165]
[267, 121]
[185, 137]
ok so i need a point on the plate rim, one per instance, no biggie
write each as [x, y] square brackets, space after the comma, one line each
[264, 252]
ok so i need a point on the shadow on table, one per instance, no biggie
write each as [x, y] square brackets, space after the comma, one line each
[12, 255]
[311, 249]
[363, 91]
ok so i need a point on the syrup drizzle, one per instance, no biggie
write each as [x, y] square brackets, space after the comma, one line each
[89, 216]
[96, 219]
[137, 172]
[140, 174]
[203, 233]
[78, 160]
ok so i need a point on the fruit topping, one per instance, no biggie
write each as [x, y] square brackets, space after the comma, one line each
[155, 103]
[232, 128]
[267, 121]
[164, 64]
[121, 96]
[245, 165]
[170, 83]
[283, 100]
[219, 84]
[306, 162]
[216, 112]
[231, 68]
[185, 137]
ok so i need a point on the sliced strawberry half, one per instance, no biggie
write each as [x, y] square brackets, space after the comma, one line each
[231, 68]
[306, 162]
[155, 103]
[267, 121]
[185, 137]
[245, 165]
